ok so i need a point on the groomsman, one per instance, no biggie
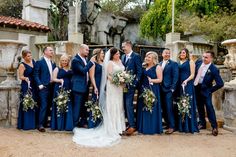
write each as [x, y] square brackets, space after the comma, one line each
[168, 86]
[80, 69]
[132, 62]
[206, 73]
[43, 78]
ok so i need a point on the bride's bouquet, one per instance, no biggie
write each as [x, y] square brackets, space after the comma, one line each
[123, 77]
[62, 100]
[28, 101]
[93, 107]
[148, 99]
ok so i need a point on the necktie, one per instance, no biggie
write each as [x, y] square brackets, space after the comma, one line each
[126, 59]
[200, 70]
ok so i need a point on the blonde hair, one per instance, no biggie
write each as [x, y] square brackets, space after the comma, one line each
[96, 53]
[67, 57]
[154, 56]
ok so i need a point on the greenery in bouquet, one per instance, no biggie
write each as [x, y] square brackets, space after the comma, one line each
[62, 100]
[148, 98]
[122, 77]
[184, 106]
[93, 107]
[28, 101]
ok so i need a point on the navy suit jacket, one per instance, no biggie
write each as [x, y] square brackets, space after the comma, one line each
[79, 78]
[211, 75]
[134, 65]
[170, 76]
[41, 72]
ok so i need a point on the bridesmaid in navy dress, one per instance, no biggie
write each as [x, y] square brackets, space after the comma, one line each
[62, 78]
[186, 75]
[147, 122]
[95, 74]
[27, 119]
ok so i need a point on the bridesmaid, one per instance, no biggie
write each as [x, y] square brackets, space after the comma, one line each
[27, 119]
[186, 75]
[62, 78]
[147, 122]
[95, 74]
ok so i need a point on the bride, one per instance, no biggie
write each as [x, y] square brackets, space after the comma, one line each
[111, 105]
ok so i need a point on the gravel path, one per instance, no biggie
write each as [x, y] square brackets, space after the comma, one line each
[15, 143]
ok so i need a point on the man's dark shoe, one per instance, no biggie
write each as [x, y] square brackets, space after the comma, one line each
[41, 129]
[215, 132]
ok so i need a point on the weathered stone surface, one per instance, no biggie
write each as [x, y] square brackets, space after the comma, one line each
[9, 104]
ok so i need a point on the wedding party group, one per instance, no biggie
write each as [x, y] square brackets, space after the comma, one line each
[172, 96]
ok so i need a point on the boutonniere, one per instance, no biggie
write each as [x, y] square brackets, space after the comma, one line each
[208, 71]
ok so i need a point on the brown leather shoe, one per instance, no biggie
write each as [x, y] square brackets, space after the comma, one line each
[130, 131]
[215, 132]
[169, 131]
[41, 129]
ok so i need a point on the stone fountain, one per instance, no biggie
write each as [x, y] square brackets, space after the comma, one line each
[10, 88]
[229, 106]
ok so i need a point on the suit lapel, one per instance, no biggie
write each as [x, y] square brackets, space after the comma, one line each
[45, 64]
[80, 59]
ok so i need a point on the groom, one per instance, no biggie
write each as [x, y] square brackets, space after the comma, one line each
[132, 62]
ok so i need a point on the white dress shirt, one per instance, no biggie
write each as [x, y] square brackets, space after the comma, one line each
[204, 70]
[49, 64]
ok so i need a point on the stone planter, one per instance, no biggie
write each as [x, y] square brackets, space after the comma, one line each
[229, 106]
[10, 88]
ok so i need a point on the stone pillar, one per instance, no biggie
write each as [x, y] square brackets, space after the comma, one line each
[229, 106]
[171, 43]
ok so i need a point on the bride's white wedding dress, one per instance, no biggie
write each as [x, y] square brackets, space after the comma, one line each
[111, 104]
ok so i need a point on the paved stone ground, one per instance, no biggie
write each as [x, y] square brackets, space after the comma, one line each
[15, 143]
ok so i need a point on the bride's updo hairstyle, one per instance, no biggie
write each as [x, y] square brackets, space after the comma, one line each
[113, 51]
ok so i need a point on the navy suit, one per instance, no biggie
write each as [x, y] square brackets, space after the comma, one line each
[42, 77]
[134, 65]
[204, 93]
[168, 86]
[79, 88]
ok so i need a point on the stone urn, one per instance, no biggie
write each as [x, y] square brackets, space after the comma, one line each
[10, 88]
[229, 105]
[9, 52]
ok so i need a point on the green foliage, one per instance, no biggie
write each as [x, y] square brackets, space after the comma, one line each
[199, 7]
[156, 22]
[58, 19]
[191, 15]
[11, 8]
[216, 27]
[119, 7]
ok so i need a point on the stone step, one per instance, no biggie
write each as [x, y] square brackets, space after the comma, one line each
[220, 123]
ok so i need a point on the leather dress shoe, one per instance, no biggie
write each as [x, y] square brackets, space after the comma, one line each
[41, 129]
[169, 131]
[215, 132]
[129, 131]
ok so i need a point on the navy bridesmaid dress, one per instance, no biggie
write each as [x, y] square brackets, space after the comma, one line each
[147, 122]
[189, 125]
[98, 77]
[27, 119]
[65, 120]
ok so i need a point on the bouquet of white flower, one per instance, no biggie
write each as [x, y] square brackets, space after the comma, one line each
[62, 100]
[122, 77]
[93, 107]
[28, 101]
[148, 98]
[184, 105]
